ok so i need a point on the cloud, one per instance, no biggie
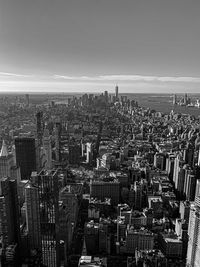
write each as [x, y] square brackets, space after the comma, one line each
[77, 78]
[115, 78]
[8, 74]
[105, 78]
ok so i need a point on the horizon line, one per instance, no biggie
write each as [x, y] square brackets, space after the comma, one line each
[92, 92]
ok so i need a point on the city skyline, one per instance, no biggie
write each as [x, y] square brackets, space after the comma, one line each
[99, 179]
[84, 46]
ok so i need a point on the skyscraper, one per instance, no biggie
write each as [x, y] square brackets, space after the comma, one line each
[159, 161]
[185, 99]
[6, 162]
[25, 156]
[39, 125]
[189, 154]
[176, 168]
[9, 212]
[49, 217]
[57, 140]
[116, 92]
[47, 149]
[138, 195]
[106, 96]
[190, 185]
[198, 157]
[174, 99]
[197, 191]
[27, 99]
[33, 216]
[193, 252]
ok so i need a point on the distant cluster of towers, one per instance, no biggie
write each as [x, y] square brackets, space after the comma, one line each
[183, 101]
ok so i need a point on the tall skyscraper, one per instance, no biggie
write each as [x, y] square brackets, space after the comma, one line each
[49, 217]
[6, 162]
[198, 163]
[137, 203]
[57, 140]
[116, 92]
[174, 99]
[89, 152]
[27, 99]
[47, 149]
[197, 191]
[190, 185]
[170, 165]
[9, 212]
[33, 216]
[179, 185]
[25, 156]
[189, 154]
[185, 99]
[39, 127]
[193, 252]
[106, 96]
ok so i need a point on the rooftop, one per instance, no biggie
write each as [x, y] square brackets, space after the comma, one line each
[92, 261]
[4, 150]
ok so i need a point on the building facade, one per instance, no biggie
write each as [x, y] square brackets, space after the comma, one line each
[25, 156]
[49, 217]
[193, 252]
[33, 216]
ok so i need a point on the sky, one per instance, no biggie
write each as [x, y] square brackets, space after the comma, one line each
[144, 46]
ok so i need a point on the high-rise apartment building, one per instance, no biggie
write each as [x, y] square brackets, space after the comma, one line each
[25, 156]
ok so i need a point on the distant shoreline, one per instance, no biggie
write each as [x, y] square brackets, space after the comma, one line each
[95, 93]
[161, 102]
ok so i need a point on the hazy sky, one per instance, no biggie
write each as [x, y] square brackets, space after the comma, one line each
[90, 45]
